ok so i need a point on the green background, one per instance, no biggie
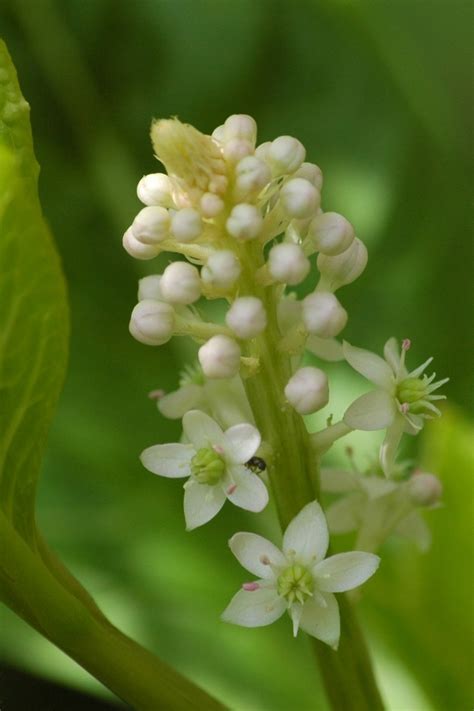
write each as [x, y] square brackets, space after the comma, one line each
[379, 93]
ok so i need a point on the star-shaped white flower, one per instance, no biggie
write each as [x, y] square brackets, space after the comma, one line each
[373, 506]
[401, 402]
[214, 461]
[297, 579]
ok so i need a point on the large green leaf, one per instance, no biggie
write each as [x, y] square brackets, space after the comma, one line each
[33, 312]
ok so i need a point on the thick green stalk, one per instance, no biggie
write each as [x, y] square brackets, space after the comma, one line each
[129, 670]
[294, 477]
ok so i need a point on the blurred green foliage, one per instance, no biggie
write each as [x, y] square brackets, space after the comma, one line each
[380, 95]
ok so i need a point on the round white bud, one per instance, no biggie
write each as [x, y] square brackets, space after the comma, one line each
[137, 249]
[221, 270]
[220, 357]
[151, 225]
[149, 288]
[286, 154]
[311, 172]
[240, 126]
[251, 176]
[211, 205]
[425, 489]
[218, 184]
[152, 322]
[263, 150]
[307, 390]
[287, 263]
[218, 134]
[245, 222]
[236, 148]
[344, 268]
[323, 315]
[186, 225]
[180, 283]
[331, 233]
[299, 198]
[155, 189]
[246, 317]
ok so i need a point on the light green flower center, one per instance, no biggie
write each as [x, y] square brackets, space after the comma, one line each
[412, 390]
[207, 466]
[295, 584]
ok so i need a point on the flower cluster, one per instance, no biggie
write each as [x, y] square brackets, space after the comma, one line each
[247, 225]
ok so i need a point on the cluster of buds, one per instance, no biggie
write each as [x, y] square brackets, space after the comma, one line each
[247, 224]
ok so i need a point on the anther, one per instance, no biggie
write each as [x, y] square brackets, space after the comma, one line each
[231, 489]
[156, 394]
[250, 587]
[406, 344]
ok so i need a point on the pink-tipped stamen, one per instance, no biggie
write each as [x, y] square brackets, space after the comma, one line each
[250, 587]
[217, 449]
[156, 394]
[406, 344]
[404, 407]
[231, 488]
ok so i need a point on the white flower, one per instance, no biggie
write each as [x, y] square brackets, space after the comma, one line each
[378, 507]
[186, 224]
[331, 233]
[343, 268]
[307, 390]
[297, 579]
[323, 315]
[285, 154]
[245, 222]
[214, 461]
[220, 357]
[180, 283]
[221, 270]
[246, 317]
[155, 189]
[288, 264]
[151, 225]
[299, 198]
[152, 322]
[401, 402]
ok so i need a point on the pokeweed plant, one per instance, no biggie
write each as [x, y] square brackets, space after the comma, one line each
[248, 222]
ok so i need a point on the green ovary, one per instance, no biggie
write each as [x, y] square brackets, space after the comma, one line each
[411, 391]
[207, 466]
[295, 584]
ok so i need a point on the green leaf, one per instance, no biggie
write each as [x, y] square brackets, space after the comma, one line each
[33, 312]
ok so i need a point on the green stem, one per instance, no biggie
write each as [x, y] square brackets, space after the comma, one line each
[129, 670]
[294, 479]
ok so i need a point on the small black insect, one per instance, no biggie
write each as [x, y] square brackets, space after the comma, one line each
[256, 465]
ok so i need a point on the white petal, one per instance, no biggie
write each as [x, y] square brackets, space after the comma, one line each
[368, 364]
[250, 492]
[202, 430]
[295, 611]
[322, 622]
[345, 571]
[241, 442]
[255, 608]
[201, 503]
[388, 450]
[391, 352]
[307, 534]
[337, 481]
[250, 549]
[344, 515]
[415, 528]
[326, 348]
[170, 460]
[372, 411]
[376, 487]
[176, 404]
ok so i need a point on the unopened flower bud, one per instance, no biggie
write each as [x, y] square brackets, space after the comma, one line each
[286, 154]
[344, 268]
[287, 263]
[211, 205]
[246, 317]
[323, 315]
[155, 189]
[218, 134]
[307, 390]
[252, 174]
[220, 357]
[240, 126]
[263, 150]
[180, 283]
[186, 224]
[299, 198]
[137, 249]
[311, 172]
[236, 149]
[151, 225]
[149, 288]
[221, 270]
[152, 322]
[331, 233]
[245, 222]
[425, 489]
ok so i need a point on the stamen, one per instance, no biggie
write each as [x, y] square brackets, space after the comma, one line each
[250, 587]
[231, 489]
[406, 344]
[156, 394]
[404, 407]
[218, 449]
